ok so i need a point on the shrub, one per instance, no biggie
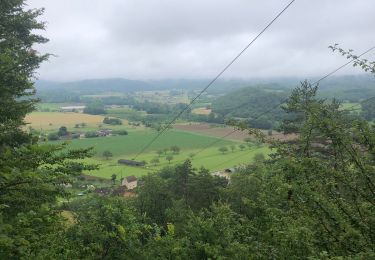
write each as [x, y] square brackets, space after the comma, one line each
[53, 137]
[120, 132]
[112, 121]
[223, 149]
[75, 135]
[63, 131]
[91, 134]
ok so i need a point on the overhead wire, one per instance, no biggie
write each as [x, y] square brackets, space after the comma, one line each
[213, 80]
[285, 100]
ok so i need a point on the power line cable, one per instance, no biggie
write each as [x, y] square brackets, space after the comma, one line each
[213, 80]
[284, 100]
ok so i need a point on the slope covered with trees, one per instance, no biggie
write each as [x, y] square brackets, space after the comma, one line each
[251, 103]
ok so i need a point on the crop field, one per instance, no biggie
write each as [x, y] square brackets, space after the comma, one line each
[53, 120]
[132, 143]
[201, 111]
[221, 130]
[162, 96]
[211, 130]
[54, 107]
[349, 106]
[210, 159]
[125, 147]
[189, 138]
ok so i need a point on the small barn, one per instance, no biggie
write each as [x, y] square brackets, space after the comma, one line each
[131, 162]
[72, 108]
[130, 182]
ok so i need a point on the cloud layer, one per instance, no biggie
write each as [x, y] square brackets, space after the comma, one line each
[141, 39]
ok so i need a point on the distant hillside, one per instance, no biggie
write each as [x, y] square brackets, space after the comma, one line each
[348, 88]
[250, 103]
[342, 87]
[90, 86]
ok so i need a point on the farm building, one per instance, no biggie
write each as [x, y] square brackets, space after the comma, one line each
[72, 108]
[131, 162]
[130, 182]
[104, 132]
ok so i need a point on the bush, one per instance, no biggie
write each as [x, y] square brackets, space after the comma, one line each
[63, 131]
[53, 137]
[91, 134]
[75, 135]
[112, 121]
[223, 149]
[120, 132]
[96, 108]
[107, 154]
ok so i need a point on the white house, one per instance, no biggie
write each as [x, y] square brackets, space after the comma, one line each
[130, 182]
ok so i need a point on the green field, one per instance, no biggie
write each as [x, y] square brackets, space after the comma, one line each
[126, 147]
[351, 106]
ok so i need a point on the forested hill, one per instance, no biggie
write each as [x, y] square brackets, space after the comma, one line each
[331, 85]
[250, 103]
[348, 88]
[96, 85]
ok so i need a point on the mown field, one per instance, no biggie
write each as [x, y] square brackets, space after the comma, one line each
[53, 120]
[125, 147]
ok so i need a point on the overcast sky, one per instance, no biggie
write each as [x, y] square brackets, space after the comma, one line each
[156, 39]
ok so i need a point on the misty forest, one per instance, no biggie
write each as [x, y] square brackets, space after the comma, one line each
[184, 167]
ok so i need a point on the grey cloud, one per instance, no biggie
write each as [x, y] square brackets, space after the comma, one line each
[142, 39]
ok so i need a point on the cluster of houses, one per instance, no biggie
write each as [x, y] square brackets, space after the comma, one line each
[128, 185]
[104, 132]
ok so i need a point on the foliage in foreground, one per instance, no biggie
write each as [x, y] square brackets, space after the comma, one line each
[313, 199]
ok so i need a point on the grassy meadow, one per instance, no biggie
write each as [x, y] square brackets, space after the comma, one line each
[126, 147]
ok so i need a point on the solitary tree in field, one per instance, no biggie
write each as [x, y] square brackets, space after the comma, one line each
[83, 125]
[175, 149]
[233, 147]
[107, 154]
[76, 126]
[159, 152]
[169, 158]
[165, 151]
[113, 178]
[155, 161]
[242, 146]
[223, 149]
[63, 131]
